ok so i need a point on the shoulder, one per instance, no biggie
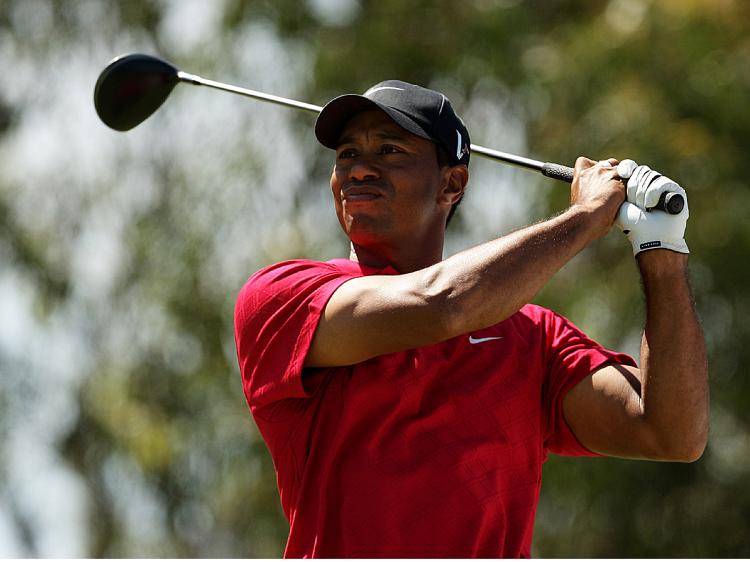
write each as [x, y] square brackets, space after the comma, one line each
[537, 323]
[289, 269]
[543, 317]
[288, 275]
[532, 315]
[288, 282]
[533, 312]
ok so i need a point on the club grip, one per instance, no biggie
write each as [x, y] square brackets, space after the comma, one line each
[557, 172]
[669, 202]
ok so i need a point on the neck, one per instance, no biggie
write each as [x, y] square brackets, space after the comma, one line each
[403, 259]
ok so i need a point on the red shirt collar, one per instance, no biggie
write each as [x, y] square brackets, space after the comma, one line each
[356, 268]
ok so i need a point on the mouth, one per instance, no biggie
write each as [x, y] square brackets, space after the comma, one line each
[357, 194]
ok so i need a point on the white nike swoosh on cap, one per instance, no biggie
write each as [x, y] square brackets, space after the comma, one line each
[474, 340]
[459, 152]
[373, 90]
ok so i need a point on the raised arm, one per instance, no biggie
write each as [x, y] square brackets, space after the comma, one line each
[474, 289]
[662, 410]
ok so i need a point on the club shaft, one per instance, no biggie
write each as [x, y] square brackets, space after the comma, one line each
[475, 148]
[551, 170]
[519, 161]
[199, 81]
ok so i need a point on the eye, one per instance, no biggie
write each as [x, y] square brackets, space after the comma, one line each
[390, 149]
[346, 153]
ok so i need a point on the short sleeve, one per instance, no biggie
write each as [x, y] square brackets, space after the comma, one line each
[275, 318]
[571, 357]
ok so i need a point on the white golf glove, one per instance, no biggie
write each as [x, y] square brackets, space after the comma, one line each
[647, 229]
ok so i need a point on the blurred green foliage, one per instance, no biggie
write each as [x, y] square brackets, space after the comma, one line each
[160, 418]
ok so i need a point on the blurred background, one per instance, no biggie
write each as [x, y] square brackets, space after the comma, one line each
[123, 427]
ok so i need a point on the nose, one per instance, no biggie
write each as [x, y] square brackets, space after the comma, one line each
[363, 170]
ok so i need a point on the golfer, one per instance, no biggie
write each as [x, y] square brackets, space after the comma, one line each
[409, 401]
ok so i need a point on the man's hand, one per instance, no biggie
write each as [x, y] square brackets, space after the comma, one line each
[649, 230]
[597, 187]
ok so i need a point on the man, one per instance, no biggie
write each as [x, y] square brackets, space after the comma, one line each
[408, 401]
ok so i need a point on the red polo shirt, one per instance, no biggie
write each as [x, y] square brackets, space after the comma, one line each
[432, 452]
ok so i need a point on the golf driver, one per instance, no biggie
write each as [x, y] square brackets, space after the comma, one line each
[132, 87]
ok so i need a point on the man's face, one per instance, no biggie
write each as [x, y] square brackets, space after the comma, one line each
[386, 182]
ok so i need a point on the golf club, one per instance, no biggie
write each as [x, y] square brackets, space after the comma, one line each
[134, 86]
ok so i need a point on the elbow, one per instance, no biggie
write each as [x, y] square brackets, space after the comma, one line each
[441, 302]
[697, 447]
[458, 303]
[682, 437]
[690, 454]
[685, 448]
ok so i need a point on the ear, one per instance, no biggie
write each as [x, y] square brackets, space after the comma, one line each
[453, 184]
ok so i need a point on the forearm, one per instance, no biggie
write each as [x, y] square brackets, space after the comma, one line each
[673, 357]
[379, 314]
[484, 285]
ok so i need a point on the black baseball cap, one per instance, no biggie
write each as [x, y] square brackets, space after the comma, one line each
[421, 111]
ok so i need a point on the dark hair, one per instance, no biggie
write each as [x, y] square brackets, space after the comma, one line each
[444, 159]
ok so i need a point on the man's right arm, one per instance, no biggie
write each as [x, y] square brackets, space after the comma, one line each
[472, 290]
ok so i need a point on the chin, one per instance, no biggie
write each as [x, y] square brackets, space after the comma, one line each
[364, 230]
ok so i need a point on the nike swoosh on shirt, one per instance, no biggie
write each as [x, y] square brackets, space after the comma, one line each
[474, 340]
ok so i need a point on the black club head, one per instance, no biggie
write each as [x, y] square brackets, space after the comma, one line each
[131, 88]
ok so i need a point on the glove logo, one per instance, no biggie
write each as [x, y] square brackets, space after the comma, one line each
[648, 245]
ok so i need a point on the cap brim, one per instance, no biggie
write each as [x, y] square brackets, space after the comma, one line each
[337, 113]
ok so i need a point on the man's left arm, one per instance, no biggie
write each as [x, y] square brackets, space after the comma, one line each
[660, 411]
